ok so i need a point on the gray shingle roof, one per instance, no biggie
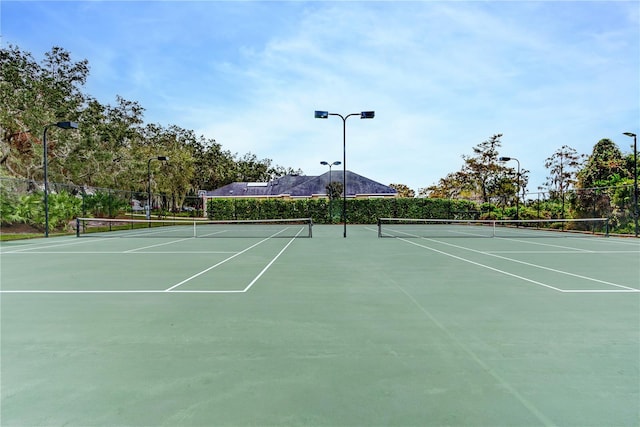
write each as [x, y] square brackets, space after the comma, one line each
[303, 186]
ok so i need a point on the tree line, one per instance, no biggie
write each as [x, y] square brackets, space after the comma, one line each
[600, 184]
[113, 144]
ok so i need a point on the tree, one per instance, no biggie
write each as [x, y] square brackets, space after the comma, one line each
[334, 190]
[250, 168]
[562, 165]
[511, 185]
[600, 181]
[479, 178]
[605, 162]
[113, 145]
[104, 156]
[32, 96]
[403, 190]
[451, 186]
[481, 171]
[214, 167]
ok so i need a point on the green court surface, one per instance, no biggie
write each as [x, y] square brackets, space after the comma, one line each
[321, 331]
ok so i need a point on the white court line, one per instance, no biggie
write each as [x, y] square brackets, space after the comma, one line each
[41, 249]
[213, 233]
[538, 266]
[481, 265]
[599, 291]
[272, 261]
[630, 289]
[171, 289]
[625, 288]
[118, 252]
[563, 252]
[547, 244]
[625, 241]
[159, 244]
[47, 291]
[124, 291]
[44, 245]
[220, 263]
[128, 234]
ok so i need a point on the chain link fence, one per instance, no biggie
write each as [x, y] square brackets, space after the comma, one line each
[22, 201]
[615, 203]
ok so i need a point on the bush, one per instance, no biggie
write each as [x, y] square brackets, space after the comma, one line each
[359, 211]
[29, 209]
[63, 207]
[104, 204]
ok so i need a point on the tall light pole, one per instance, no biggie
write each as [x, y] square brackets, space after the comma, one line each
[506, 159]
[363, 115]
[162, 159]
[635, 179]
[336, 163]
[61, 125]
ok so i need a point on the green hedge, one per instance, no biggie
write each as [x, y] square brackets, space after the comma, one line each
[359, 211]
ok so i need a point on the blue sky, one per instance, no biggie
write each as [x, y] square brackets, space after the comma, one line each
[442, 76]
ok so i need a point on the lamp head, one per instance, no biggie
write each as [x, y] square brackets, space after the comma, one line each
[336, 163]
[67, 125]
[367, 114]
[321, 114]
[324, 163]
[504, 159]
[163, 158]
[631, 134]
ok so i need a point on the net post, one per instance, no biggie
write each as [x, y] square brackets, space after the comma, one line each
[194, 229]
[77, 227]
[606, 227]
[379, 228]
[310, 227]
[494, 228]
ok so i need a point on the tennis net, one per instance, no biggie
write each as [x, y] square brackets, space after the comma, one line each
[406, 227]
[179, 228]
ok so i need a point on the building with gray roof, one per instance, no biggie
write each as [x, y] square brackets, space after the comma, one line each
[305, 187]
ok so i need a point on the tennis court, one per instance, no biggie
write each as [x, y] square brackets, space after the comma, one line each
[362, 331]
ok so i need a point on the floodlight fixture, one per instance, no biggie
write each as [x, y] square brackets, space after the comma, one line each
[67, 125]
[363, 115]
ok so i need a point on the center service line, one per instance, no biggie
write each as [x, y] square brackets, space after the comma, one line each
[220, 263]
[269, 265]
